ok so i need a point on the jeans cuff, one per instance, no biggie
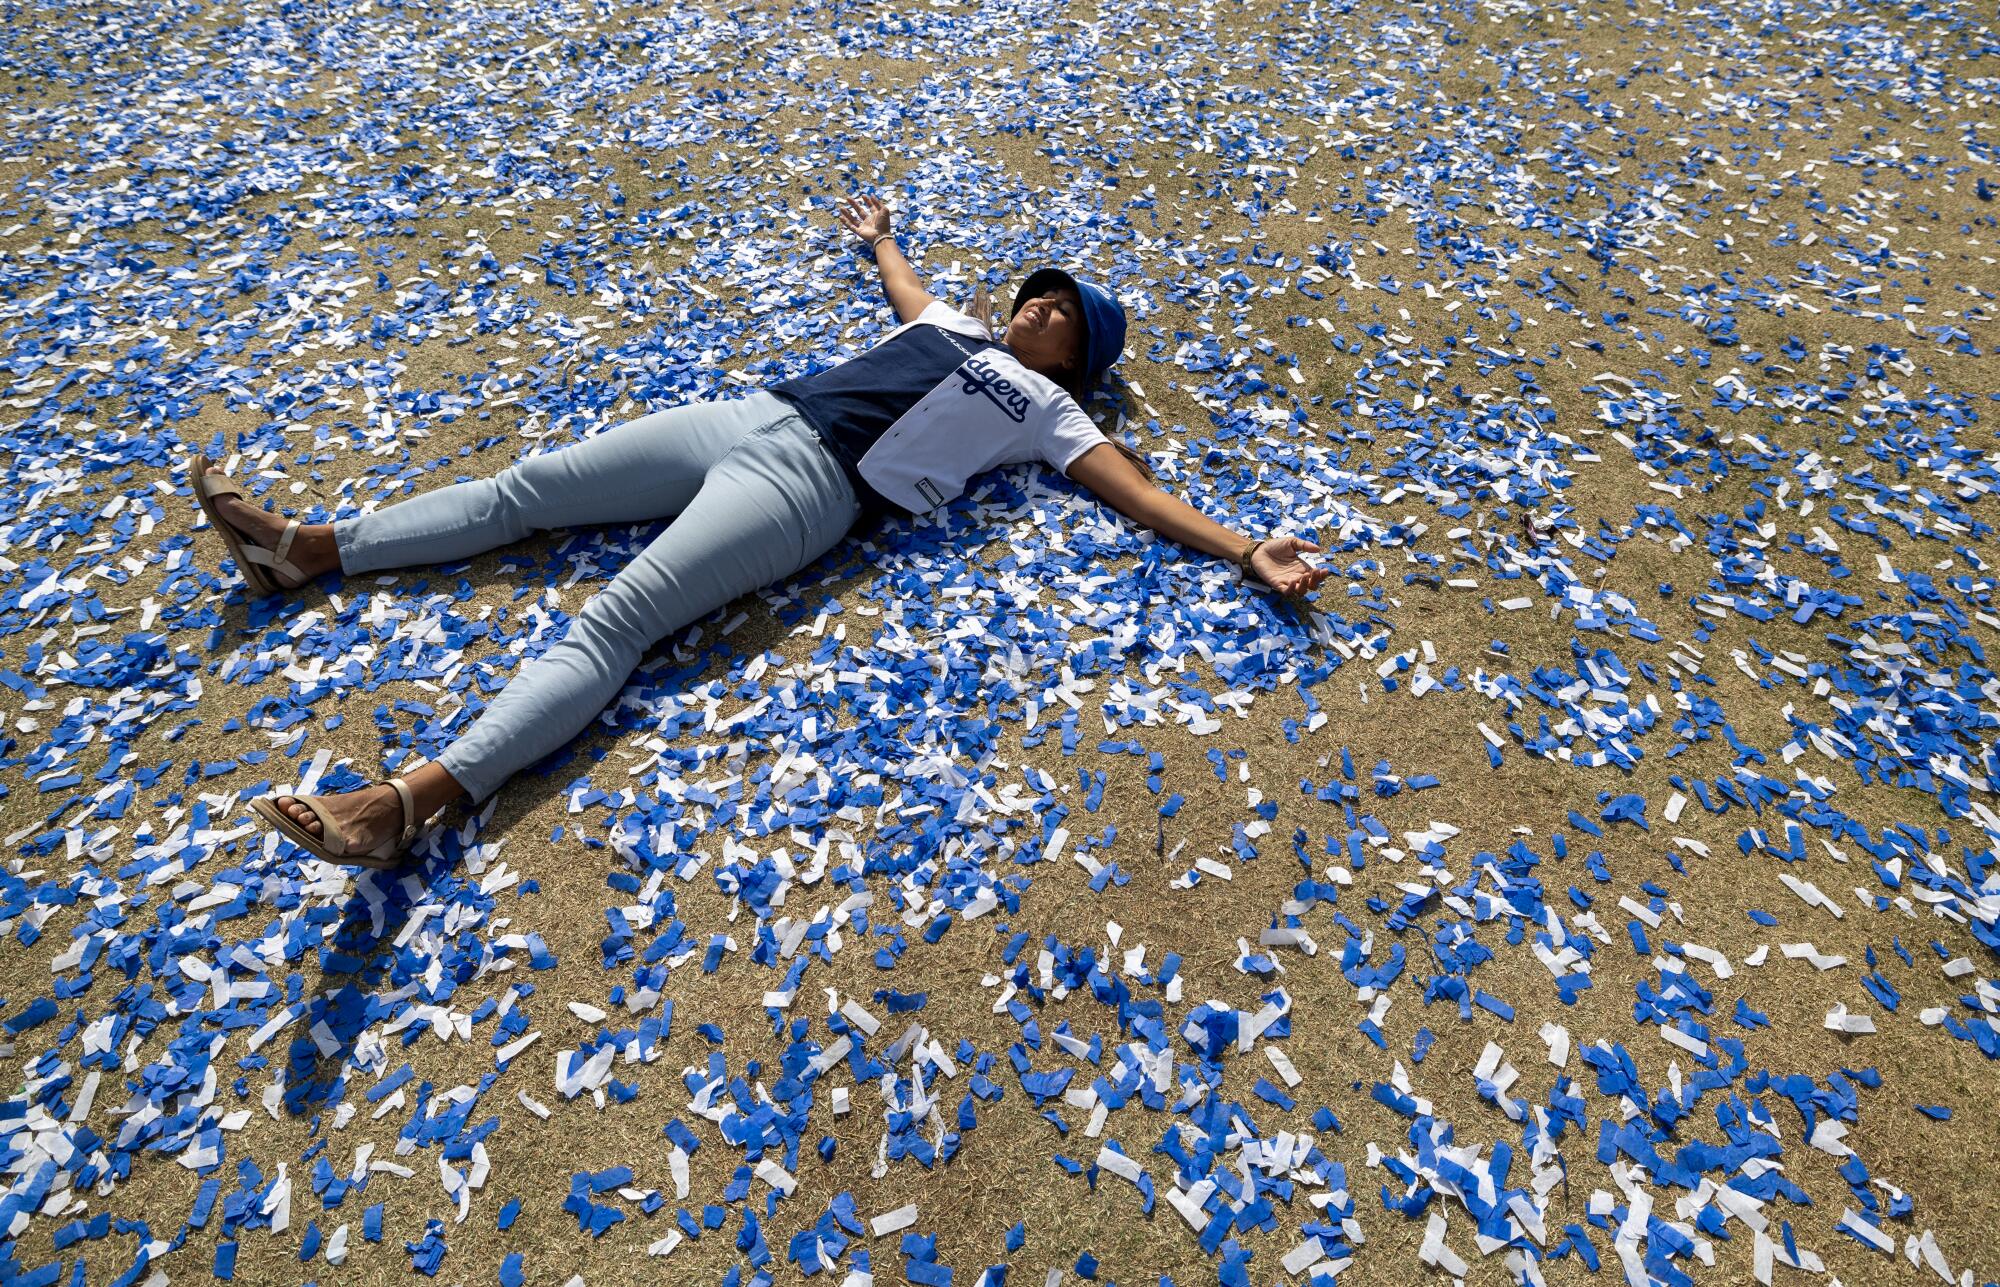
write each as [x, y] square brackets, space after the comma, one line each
[343, 545]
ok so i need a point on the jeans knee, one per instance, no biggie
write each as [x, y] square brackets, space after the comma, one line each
[508, 502]
[612, 618]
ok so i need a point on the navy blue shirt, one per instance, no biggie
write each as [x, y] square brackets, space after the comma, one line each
[854, 403]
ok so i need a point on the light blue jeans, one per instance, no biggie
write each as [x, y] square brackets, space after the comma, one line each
[757, 497]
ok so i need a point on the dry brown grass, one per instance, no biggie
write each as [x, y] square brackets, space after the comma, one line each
[1003, 1173]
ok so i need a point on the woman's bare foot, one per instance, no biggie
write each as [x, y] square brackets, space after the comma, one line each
[372, 814]
[367, 816]
[313, 551]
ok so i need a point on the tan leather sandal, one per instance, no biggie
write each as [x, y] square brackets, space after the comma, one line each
[331, 844]
[252, 559]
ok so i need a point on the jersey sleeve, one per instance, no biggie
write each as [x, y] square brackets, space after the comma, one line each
[1066, 434]
[939, 313]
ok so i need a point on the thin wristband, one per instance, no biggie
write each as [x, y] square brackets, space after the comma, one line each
[887, 236]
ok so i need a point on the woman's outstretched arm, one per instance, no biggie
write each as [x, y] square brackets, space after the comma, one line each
[1276, 561]
[868, 220]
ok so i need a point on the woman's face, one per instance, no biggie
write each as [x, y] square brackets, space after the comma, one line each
[1046, 334]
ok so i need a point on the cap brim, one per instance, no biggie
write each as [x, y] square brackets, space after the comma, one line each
[1040, 280]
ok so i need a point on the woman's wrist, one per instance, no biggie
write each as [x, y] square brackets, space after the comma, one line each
[887, 236]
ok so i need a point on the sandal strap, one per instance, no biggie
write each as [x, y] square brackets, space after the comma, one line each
[275, 559]
[213, 485]
[409, 812]
[283, 565]
[330, 834]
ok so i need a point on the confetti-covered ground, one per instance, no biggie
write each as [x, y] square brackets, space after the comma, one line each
[1595, 883]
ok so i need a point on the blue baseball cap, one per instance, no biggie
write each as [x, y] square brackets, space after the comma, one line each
[1103, 323]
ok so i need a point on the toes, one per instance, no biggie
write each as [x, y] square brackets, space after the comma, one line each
[299, 813]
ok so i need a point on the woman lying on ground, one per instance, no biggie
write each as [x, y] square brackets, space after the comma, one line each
[761, 485]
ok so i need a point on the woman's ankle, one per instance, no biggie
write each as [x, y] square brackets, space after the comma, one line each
[432, 788]
[320, 552]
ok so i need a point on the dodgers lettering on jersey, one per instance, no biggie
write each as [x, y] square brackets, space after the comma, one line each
[981, 376]
[911, 426]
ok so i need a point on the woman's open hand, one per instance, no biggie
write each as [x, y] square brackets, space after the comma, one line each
[865, 217]
[1277, 563]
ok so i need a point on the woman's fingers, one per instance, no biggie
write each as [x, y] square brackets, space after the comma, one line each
[856, 211]
[1297, 575]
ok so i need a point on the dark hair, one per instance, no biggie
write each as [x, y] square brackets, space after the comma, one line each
[1082, 399]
